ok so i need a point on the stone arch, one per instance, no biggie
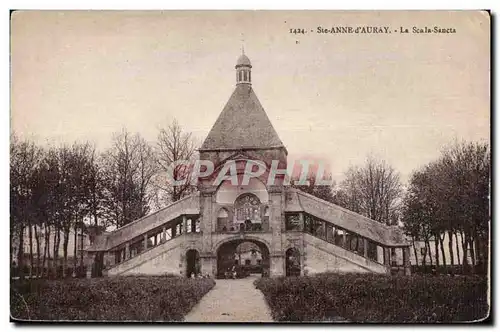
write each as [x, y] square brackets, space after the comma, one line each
[247, 206]
[292, 261]
[193, 262]
[248, 238]
[222, 219]
[225, 256]
[266, 211]
[227, 193]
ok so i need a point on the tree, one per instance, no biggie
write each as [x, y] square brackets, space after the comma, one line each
[451, 196]
[466, 172]
[324, 192]
[25, 159]
[419, 207]
[128, 168]
[173, 145]
[373, 190]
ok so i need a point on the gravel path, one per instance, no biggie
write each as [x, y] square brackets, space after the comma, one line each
[231, 301]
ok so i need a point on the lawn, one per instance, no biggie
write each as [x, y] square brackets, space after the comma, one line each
[376, 298]
[107, 299]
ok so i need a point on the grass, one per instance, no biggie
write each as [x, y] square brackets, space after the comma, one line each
[376, 298]
[107, 299]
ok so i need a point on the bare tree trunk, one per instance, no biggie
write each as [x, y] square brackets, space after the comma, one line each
[81, 245]
[457, 246]
[414, 251]
[42, 274]
[37, 240]
[57, 242]
[478, 249]
[30, 234]
[65, 251]
[75, 257]
[465, 263]
[428, 250]
[54, 253]
[441, 244]
[450, 247]
[47, 245]
[472, 251]
[436, 248]
[20, 252]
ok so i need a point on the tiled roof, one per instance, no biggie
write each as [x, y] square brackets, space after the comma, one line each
[242, 124]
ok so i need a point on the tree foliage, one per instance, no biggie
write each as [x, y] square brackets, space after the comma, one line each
[451, 195]
[173, 146]
[128, 167]
[373, 190]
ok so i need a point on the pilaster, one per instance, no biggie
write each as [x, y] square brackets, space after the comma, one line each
[365, 247]
[276, 218]
[207, 223]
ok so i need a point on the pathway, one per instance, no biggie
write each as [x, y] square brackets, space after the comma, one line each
[231, 301]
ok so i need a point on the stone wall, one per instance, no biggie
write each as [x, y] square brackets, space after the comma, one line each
[321, 256]
[168, 257]
[186, 206]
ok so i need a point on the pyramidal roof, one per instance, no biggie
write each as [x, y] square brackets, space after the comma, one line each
[243, 123]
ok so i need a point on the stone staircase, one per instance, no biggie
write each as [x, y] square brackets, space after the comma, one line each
[152, 244]
[322, 256]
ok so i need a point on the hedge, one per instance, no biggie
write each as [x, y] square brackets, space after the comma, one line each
[107, 299]
[376, 298]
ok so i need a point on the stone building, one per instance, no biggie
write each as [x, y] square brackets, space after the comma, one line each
[293, 230]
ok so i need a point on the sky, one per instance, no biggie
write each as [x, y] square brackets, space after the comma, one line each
[337, 97]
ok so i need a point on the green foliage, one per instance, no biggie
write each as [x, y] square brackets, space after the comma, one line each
[108, 299]
[376, 298]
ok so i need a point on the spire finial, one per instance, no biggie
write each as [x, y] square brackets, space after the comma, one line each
[242, 43]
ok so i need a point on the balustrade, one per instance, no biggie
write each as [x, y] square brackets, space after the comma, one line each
[155, 237]
[247, 227]
[334, 235]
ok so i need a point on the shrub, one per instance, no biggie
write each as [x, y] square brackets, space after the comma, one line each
[376, 298]
[107, 299]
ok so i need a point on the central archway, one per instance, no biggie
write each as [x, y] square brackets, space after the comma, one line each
[239, 258]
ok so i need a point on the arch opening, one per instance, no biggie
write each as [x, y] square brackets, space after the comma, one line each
[241, 258]
[292, 262]
[193, 266]
[228, 192]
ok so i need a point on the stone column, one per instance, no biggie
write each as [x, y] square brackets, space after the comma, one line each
[380, 254]
[127, 251]
[344, 239]
[303, 256]
[164, 234]
[208, 265]
[301, 221]
[406, 260]
[275, 219]
[206, 210]
[184, 224]
[365, 247]
[277, 265]
[145, 242]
